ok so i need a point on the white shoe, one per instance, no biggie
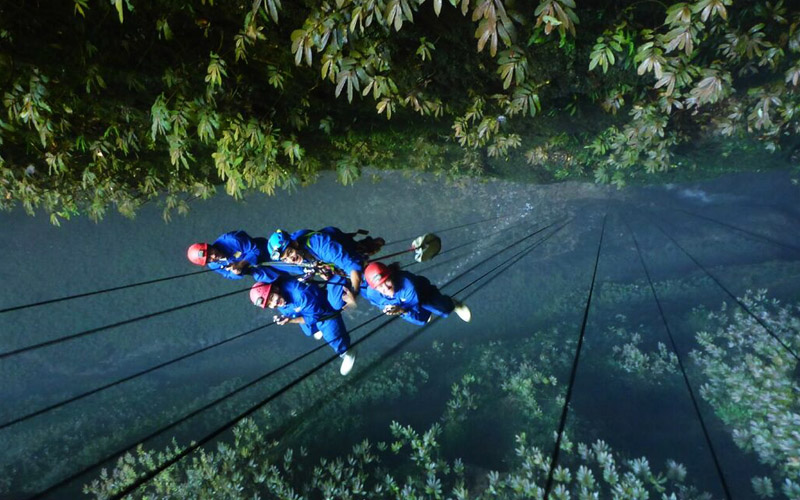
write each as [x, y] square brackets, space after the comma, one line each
[348, 359]
[318, 335]
[463, 311]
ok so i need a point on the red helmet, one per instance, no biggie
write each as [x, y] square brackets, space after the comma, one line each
[259, 294]
[198, 254]
[376, 273]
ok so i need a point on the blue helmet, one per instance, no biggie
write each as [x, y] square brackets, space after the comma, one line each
[277, 244]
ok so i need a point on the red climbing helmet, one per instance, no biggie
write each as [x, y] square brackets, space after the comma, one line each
[259, 294]
[198, 254]
[376, 273]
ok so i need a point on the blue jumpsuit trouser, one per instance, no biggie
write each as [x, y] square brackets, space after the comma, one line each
[432, 301]
[333, 331]
[335, 288]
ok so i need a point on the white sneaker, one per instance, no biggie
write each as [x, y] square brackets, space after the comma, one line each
[463, 311]
[348, 359]
[318, 335]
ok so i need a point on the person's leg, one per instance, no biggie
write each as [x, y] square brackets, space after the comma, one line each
[335, 288]
[306, 329]
[436, 302]
[335, 334]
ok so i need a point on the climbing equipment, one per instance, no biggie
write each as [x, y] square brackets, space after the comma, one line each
[425, 248]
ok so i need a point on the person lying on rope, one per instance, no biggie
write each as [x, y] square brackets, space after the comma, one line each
[234, 255]
[305, 304]
[414, 298]
[333, 255]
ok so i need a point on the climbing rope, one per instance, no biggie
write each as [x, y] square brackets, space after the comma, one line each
[453, 228]
[563, 420]
[209, 405]
[134, 375]
[681, 366]
[130, 377]
[471, 242]
[761, 322]
[741, 230]
[190, 415]
[195, 445]
[168, 278]
[105, 290]
[114, 325]
[154, 471]
[512, 260]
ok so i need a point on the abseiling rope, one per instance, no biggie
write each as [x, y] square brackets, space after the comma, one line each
[191, 448]
[475, 241]
[151, 369]
[761, 322]
[710, 445]
[119, 323]
[114, 325]
[168, 278]
[741, 230]
[453, 228]
[188, 416]
[132, 376]
[563, 420]
[105, 290]
[209, 405]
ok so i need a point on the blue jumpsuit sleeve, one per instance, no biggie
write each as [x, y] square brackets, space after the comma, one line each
[237, 246]
[374, 298]
[245, 247]
[409, 300]
[218, 268]
[328, 250]
[265, 274]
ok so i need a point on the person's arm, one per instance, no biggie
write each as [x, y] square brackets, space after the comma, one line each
[283, 320]
[246, 246]
[355, 282]
[410, 302]
[417, 315]
[224, 271]
[244, 253]
[265, 274]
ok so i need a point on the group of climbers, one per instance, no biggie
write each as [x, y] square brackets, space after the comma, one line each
[284, 266]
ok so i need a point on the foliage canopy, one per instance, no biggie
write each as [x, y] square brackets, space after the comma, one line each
[112, 103]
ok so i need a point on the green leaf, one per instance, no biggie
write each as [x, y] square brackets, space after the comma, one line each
[118, 5]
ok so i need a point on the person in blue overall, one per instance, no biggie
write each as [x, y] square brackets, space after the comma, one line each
[412, 297]
[233, 255]
[330, 253]
[305, 304]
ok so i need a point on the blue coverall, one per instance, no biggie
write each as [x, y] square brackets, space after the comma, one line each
[331, 246]
[238, 246]
[416, 295]
[308, 301]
